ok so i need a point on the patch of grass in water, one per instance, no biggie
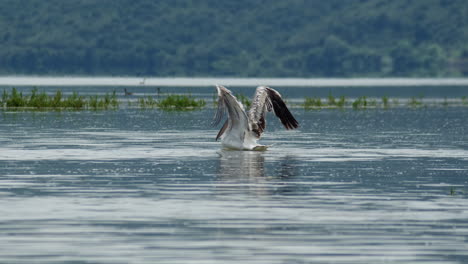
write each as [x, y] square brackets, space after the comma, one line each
[147, 102]
[452, 191]
[174, 102]
[107, 101]
[180, 102]
[331, 100]
[445, 103]
[385, 102]
[312, 103]
[316, 102]
[40, 100]
[74, 101]
[415, 102]
[244, 100]
[341, 102]
[15, 99]
[360, 102]
[464, 100]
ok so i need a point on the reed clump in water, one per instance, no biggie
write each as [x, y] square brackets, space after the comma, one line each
[107, 101]
[341, 102]
[333, 102]
[147, 102]
[445, 103]
[41, 100]
[385, 101]
[180, 102]
[313, 103]
[360, 102]
[415, 102]
[464, 100]
[173, 102]
[244, 100]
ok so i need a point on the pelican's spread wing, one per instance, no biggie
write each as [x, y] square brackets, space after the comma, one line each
[237, 122]
[265, 100]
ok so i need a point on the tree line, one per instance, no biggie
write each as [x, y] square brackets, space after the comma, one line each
[244, 38]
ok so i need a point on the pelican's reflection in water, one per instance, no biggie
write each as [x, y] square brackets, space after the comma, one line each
[241, 164]
[248, 168]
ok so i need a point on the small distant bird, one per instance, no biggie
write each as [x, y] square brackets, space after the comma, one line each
[241, 130]
[142, 82]
[127, 93]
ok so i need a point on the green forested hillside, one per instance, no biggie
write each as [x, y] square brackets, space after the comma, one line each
[302, 38]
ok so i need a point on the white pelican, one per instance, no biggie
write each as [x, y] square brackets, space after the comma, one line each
[241, 130]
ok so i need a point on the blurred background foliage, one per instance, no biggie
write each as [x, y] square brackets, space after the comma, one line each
[245, 38]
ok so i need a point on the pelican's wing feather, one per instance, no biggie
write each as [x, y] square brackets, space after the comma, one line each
[220, 112]
[222, 130]
[281, 110]
[266, 100]
[237, 121]
[260, 105]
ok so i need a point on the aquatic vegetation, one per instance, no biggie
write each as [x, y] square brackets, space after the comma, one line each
[415, 102]
[108, 101]
[312, 103]
[452, 191]
[445, 103]
[244, 100]
[172, 102]
[331, 100]
[36, 99]
[215, 99]
[147, 102]
[372, 103]
[464, 100]
[360, 102]
[74, 101]
[181, 102]
[15, 99]
[40, 100]
[385, 102]
[341, 102]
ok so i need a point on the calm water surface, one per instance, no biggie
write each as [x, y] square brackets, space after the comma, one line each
[146, 186]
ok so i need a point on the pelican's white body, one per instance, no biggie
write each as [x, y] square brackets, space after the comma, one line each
[241, 140]
[239, 137]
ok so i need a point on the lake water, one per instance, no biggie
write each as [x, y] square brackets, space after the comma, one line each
[148, 186]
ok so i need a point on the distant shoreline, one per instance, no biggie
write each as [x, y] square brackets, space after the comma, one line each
[210, 81]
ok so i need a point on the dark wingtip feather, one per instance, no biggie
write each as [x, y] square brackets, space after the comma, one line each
[281, 110]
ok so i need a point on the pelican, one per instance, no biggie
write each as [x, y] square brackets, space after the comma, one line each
[241, 130]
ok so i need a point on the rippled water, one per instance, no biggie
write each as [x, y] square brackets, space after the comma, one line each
[146, 186]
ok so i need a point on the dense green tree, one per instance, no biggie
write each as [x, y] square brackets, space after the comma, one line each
[235, 38]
